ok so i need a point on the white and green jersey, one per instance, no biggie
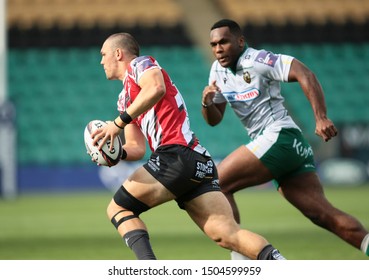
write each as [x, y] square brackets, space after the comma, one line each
[254, 91]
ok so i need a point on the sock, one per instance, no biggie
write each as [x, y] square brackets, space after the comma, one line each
[270, 253]
[138, 241]
[238, 256]
[365, 245]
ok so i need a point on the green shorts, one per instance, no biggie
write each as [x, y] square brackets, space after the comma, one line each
[284, 152]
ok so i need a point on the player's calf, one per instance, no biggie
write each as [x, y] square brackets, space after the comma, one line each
[137, 239]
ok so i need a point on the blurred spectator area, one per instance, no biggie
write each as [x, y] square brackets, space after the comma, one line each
[57, 91]
[45, 23]
[57, 84]
[282, 12]
[87, 13]
[294, 21]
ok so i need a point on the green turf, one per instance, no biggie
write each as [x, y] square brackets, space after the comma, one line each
[74, 226]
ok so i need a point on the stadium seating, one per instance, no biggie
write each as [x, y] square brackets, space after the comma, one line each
[87, 13]
[293, 21]
[85, 23]
[57, 84]
[58, 91]
[280, 12]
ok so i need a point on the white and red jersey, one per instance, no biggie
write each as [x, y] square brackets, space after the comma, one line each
[167, 122]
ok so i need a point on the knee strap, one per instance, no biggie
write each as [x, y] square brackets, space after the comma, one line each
[124, 199]
[121, 220]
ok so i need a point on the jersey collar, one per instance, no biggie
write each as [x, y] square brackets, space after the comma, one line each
[234, 69]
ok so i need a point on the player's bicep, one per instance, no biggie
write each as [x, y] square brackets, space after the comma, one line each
[297, 71]
[152, 90]
[152, 79]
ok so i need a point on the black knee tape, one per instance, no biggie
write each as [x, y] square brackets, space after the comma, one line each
[123, 198]
[121, 220]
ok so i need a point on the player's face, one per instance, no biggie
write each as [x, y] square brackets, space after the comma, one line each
[109, 62]
[226, 47]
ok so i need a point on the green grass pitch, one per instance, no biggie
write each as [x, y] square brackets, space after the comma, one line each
[74, 226]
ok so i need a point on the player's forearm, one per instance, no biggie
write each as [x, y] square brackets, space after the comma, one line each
[146, 99]
[314, 92]
[134, 143]
[310, 86]
[211, 114]
[134, 153]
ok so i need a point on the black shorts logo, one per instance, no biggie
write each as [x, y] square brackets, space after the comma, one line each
[204, 170]
[154, 163]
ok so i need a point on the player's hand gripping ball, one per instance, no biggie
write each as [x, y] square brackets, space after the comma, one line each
[103, 156]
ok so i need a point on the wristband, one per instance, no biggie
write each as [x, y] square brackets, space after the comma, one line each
[206, 106]
[124, 155]
[125, 117]
[118, 125]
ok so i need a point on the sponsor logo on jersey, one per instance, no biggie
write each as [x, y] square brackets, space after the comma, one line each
[267, 58]
[245, 96]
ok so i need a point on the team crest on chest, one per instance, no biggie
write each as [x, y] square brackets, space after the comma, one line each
[247, 77]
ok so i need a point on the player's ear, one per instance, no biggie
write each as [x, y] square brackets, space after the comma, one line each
[241, 42]
[119, 54]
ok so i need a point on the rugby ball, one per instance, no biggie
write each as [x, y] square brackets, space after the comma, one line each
[103, 156]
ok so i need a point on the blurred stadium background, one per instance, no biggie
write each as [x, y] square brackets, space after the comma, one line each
[56, 85]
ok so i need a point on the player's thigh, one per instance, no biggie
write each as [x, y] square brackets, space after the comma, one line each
[242, 169]
[144, 187]
[211, 212]
[305, 192]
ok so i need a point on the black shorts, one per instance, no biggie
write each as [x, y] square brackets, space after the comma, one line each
[184, 172]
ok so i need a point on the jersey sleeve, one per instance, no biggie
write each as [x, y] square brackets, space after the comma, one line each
[273, 66]
[143, 64]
